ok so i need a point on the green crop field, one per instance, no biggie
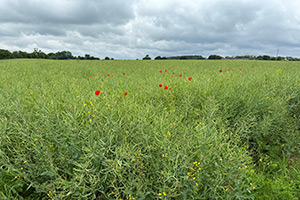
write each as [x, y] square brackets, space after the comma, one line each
[149, 129]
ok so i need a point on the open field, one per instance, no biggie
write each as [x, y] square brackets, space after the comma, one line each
[209, 135]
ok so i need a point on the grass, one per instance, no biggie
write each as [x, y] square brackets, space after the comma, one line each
[222, 135]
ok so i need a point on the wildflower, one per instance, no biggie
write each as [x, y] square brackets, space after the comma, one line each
[220, 70]
[90, 76]
[228, 69]
[164, 193]
[160, 85]
[165, 70]
[97, 92]
[252, 66]
[221, 159]
[159, 194]
[190, 78]
[166, 87]
[84, 104]
[173, 73]
[160, 71]
[108, 75]
[169, 88]
[125, 93]
[169, 133]
[240, 69]
[123, 73]
[180, 75]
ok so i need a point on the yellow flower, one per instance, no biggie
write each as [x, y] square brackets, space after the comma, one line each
[159, 194]
[126, 131]
[84, 104]
[221, 159]
[169, 133]
[25, 161]
[164, 193]
[196, 184]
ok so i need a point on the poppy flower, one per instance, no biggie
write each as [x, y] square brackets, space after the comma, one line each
[241, 69]
[166, 87]
[125, 93]
[123, 73]
[70, 79]
[252, 66]
[90, 76]
[220, 70]
[108, 75]
[190, 78]
[97, 92]
[160, 71]
[180, 75]
[160, 85]
[165, 70]
[173, 73]
[169, 88]
[228, 69]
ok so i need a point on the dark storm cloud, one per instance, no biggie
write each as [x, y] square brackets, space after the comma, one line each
[132, 29]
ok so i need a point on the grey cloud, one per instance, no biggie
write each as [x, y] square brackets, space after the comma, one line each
[132, 29]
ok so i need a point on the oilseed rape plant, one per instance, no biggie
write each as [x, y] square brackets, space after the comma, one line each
[149, 129]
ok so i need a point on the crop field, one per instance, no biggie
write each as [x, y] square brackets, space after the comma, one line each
[128, 130]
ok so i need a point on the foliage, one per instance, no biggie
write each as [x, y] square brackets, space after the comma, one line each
[232, 134]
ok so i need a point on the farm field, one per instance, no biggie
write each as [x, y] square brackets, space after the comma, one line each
[204, 129]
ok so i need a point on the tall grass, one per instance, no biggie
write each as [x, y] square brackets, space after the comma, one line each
[222, 135]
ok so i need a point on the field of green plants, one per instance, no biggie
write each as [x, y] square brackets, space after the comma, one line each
[149, 129]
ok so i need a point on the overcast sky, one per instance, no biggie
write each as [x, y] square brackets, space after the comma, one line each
[130, 29]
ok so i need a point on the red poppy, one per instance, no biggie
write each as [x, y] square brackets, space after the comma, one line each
[169, 88]
[166, 87]
[220, 70]
[165, 70]
[108, 75]
[180, 75]
[123, 73]
[225, 71]
[125, 93]
[252, 66]
[97, 92]
[173, 73]
[190, 78]
[160, 71]
[160, 85]
[90, 76]
[70, 79]
[241, 69]
[228, 69]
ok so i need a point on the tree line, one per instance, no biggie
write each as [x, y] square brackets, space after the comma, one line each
[60, 55]
[218, 57]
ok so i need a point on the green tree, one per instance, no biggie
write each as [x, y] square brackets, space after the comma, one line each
[214, 57]
[147, 57]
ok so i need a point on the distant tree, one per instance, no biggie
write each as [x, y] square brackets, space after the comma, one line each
[157, 58]
[183, 57]
[5, 54]
[106, 58]
[214, 57]
[266, 57]
[147, 57]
